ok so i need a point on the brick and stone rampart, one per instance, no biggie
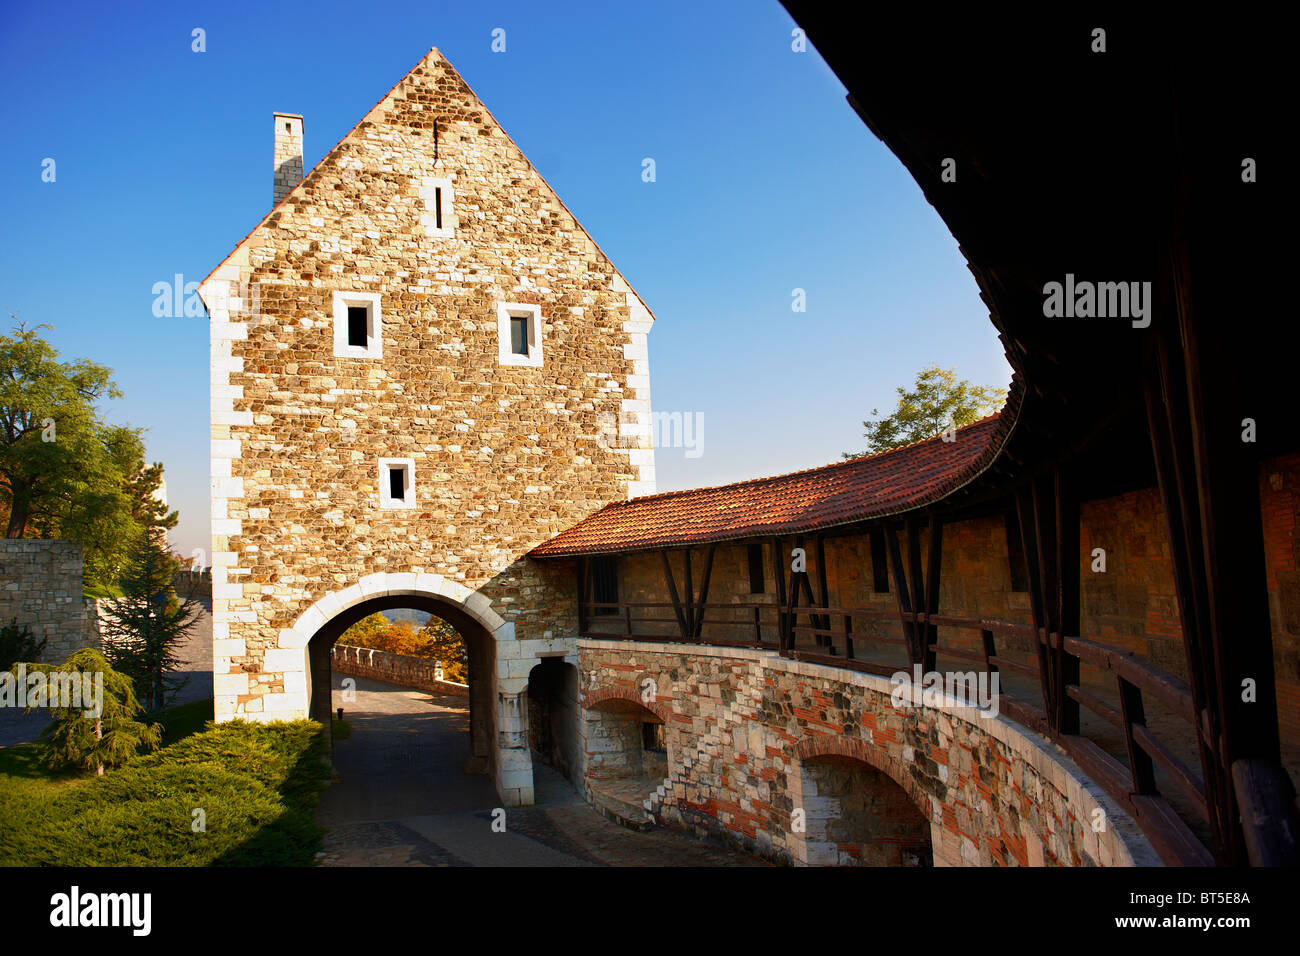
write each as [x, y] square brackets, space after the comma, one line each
[750, 734]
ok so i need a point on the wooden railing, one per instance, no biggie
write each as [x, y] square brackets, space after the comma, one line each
[1131, 783]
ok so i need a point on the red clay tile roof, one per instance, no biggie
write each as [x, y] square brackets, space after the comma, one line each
[873, 486]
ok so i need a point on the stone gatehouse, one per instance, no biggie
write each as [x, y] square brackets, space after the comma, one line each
[412, 356]
[415, 357]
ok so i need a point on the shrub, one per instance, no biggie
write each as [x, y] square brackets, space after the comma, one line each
[257, 785]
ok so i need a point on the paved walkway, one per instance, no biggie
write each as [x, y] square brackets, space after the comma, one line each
[401, 799]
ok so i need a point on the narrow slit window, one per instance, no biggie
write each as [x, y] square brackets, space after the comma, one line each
[519, 334]
[756, 583]
[358, 325]
[437, 206]
[396, 483]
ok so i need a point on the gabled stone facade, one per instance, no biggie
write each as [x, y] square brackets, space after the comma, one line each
[428, 216]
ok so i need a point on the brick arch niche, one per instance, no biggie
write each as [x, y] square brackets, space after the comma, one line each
[615, 739]
[855, 811]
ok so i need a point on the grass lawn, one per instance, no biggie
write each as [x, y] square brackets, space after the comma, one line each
[256, 785]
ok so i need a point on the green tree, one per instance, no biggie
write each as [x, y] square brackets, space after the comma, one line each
[448, 646]
[366, 628]
[937, 401]
[18, 643]
[108, 739]
[436, 640]
[142, 482]
[64, 472]
[143, 627]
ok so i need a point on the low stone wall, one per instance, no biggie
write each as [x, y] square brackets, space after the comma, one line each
[418, 672]
[195, 584]
[40, 586]
[746, 731]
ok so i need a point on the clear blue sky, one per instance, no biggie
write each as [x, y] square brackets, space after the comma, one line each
[766, 182]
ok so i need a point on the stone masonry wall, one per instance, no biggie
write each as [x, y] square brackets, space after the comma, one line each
[40, 586]
[401, 669]
[740, 724]
[505, 456]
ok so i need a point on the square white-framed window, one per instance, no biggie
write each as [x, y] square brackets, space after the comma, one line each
[358, 325]
[519, 334]
[397, 482]
[439, 196]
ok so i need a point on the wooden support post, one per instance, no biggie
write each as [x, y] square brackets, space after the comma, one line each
[583, 571]
[1029, 542]
[792, 600]
[935, 563]
[698, 618]
[1140, 764]
[919, 631]
[1216, 379]
[688, 593]
[823, 580]
[672, 593]
[901, 593]
[778, 571]
[1069, 571]
[990, 651]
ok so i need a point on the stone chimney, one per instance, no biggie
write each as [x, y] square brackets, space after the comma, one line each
[288, 153]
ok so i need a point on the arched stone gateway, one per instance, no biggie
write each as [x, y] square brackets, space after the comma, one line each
[498, 729]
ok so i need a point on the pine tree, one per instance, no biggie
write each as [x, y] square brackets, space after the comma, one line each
[109, 739]
[143, 627]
